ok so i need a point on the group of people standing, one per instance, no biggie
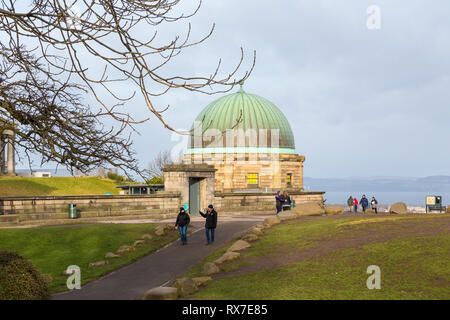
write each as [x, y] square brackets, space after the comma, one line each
[364, 202]
[283, 201]
[183, 220]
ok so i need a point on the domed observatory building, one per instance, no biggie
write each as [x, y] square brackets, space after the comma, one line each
[241, 151]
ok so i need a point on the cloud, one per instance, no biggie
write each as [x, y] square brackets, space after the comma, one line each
[361, 102]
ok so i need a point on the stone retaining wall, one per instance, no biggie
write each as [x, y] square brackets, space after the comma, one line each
[56, 207]
[161, 205]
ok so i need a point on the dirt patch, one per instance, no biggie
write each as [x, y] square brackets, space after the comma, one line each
[372, 220]
[346, 236]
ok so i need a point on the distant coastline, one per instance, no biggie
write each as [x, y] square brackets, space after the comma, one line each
[385, 198]
[387, 190]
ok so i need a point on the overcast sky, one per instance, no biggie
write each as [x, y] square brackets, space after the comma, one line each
[360, 102]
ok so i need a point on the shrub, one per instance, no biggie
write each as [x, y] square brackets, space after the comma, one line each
[19, 279]
[114, 176]
[155, 180]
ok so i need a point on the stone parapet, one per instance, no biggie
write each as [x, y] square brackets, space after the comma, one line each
[247, 203]
[55, 207]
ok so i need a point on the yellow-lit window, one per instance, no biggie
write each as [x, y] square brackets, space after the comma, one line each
[252, 179]
[289, 179]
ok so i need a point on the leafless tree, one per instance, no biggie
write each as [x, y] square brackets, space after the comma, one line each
[50, 55]
[157, 164]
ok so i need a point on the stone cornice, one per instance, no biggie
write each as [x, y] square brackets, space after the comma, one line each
[262, 193]
[189, 168]
[94, 197]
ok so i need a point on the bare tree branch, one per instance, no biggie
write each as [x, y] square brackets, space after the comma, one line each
[45, 74]
[157, 164]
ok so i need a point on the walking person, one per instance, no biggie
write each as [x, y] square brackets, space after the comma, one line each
[210, 224]
[374, 204]
[350, 203]
[287, 201]
[364, 203]
[279, 199]
[355, 204]
[182, 223]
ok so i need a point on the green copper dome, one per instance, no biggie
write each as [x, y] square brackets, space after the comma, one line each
[241, 123]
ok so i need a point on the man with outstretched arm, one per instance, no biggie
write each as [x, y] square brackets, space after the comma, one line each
[210, 224]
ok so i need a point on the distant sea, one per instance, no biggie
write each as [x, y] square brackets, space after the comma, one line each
[412, 198]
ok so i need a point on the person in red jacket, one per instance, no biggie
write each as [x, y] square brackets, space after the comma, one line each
[355, 204]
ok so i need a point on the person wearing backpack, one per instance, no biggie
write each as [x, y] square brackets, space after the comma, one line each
[182, 223]
[350, 203]
[287, 201]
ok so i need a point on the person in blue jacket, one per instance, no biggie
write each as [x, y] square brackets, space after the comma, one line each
[279, 200]
[364, 203]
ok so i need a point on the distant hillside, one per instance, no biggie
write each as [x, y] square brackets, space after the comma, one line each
[18, 186]
[386, 184]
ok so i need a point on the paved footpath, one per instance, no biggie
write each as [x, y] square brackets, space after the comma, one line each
[162, 266]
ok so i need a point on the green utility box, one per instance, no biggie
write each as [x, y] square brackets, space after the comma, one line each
[73, 211]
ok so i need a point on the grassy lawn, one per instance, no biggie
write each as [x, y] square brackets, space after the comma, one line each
[18, 186]
[53, 249]
[327, 258]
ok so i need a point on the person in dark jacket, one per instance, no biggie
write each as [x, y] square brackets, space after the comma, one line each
[210, 224]
[279, 199]
[364, 203]
[350, 203]
[287, 201]
[182, 222]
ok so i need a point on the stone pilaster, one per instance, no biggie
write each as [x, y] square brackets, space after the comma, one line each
[11, 164]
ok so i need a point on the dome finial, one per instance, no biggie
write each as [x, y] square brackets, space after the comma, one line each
[241, 83]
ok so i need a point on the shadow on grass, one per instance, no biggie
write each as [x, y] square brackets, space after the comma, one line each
[16, 187]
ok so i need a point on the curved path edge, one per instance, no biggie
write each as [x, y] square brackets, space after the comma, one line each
[134, 280]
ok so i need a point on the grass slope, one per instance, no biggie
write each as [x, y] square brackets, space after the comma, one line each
[18, 186]
[53, 249]
[327, 258]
